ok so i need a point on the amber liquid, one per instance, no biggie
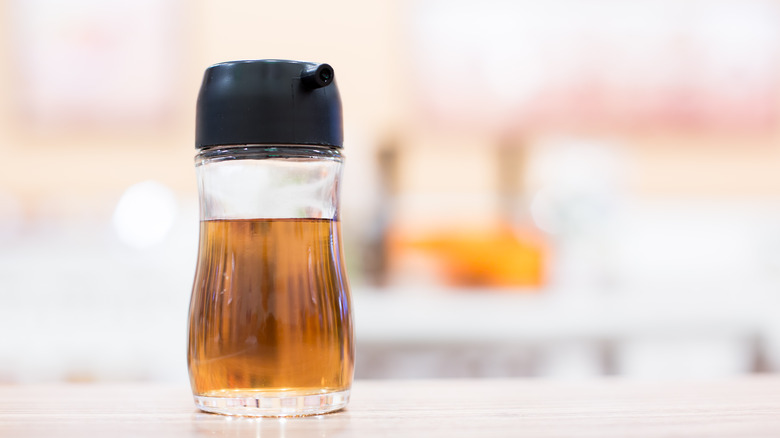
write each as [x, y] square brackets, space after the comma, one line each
[270, 309]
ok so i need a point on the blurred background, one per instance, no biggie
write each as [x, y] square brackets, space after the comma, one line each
[564, 189]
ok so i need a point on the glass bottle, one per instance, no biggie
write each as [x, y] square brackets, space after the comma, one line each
[270, 325]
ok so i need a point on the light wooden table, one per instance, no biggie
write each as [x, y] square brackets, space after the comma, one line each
[748, 407]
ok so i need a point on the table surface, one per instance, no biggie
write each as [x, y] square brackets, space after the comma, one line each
[745, 407]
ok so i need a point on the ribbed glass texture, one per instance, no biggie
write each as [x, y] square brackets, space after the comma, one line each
[270, 326]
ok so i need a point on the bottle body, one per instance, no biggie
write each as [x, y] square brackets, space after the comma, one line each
[270, 326]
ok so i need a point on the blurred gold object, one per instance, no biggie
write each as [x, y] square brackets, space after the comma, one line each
[497, 257]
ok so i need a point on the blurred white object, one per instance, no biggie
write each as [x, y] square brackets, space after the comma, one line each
[685, 357]
[84, 64]
[145, 214]
[623, 65]
[578, 185]
[579, 188]
[572, 360]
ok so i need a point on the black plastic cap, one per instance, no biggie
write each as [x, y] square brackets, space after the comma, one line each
[269, 102]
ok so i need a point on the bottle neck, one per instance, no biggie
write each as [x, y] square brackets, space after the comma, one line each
[267, 181]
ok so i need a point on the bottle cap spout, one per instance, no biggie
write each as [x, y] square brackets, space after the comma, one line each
[318, 76]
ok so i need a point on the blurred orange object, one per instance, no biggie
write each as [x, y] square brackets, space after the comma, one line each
[496, 257]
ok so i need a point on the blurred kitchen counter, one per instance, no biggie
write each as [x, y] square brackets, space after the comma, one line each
[665, 331]
[446, 315]
[453, 408]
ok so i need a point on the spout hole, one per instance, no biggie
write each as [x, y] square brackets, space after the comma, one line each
[317, 77]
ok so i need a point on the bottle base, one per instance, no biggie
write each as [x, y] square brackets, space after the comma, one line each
[274, 404]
